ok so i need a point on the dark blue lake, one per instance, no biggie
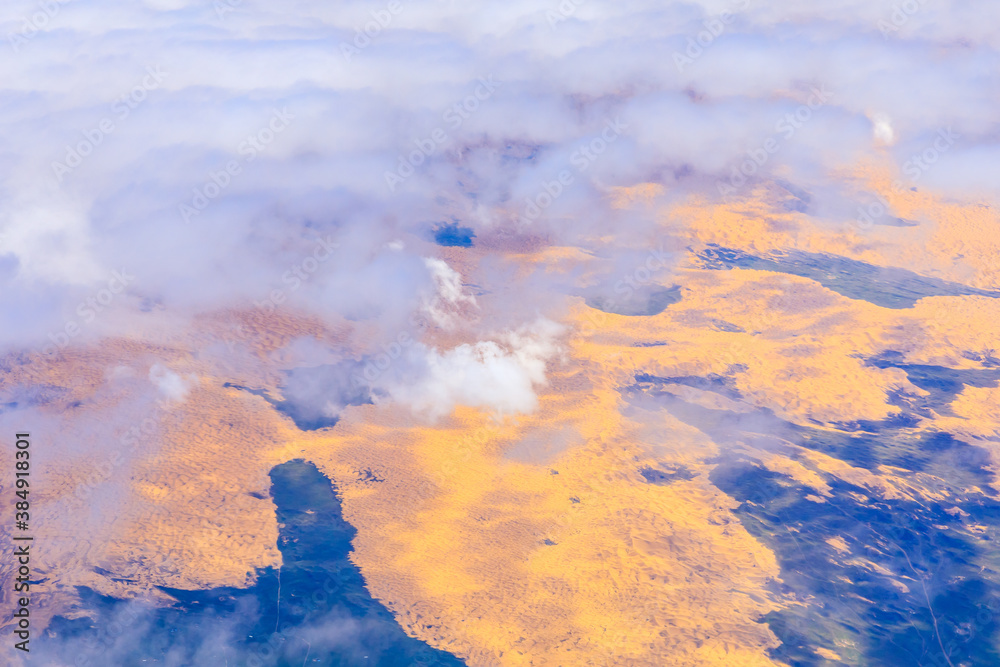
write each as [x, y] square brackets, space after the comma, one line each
[315, 610]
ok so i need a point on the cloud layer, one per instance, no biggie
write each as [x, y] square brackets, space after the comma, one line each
[169, 158]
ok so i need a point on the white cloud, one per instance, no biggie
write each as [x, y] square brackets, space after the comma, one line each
[171, 385]
[882, 129]
[447, 297]
[350, 121]
[499, 375]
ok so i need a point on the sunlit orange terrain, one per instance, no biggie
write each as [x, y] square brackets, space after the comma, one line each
[747, 473]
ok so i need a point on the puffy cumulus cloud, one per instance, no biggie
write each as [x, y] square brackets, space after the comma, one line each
[171, 385]
[882, 128]
[447, 296]
[241, 154]
[500, 375]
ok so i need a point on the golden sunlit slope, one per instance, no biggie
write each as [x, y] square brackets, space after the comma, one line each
[570, 560]
[531, 539]
[574, 560]
[955, 241]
